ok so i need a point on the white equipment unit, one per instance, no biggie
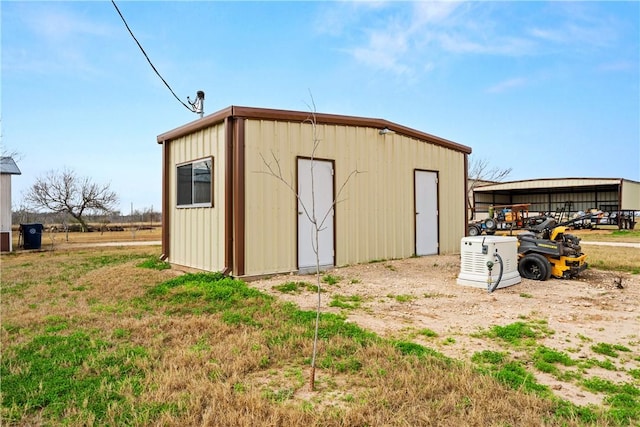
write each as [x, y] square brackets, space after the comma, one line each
[478, 252]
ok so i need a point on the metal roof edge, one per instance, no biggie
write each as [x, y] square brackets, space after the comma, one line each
[301, 116]
[629, 180]
[195, 125]
[572, 181]
[8, 166]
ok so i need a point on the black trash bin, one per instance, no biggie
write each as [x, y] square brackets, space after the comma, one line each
[31, 235]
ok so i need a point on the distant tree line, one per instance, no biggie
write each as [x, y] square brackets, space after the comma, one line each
[145, 217]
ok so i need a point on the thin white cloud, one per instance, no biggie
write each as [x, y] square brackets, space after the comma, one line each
[433, 12]
[505, 46]
[393, 33]
[574, 34]
[379, 59]
[618, 66]
[57, 40]
[337, 17]
[578, 24]
[58, 24]
[507, 85]
[556, 36]
[384, 51]
[399, 37]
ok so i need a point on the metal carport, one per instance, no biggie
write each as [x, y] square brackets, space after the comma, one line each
[617, 197]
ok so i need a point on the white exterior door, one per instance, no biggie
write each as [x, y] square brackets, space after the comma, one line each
[426, 202]
[315, 203]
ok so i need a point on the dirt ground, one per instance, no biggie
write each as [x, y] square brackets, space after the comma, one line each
[402, 297]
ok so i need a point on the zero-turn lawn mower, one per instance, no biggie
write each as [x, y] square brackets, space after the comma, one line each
[545, 250]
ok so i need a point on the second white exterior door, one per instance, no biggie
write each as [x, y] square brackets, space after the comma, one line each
[426, 202]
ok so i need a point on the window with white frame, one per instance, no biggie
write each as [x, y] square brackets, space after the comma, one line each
[194, 183]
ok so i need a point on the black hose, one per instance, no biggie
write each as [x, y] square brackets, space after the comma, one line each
[495, 285]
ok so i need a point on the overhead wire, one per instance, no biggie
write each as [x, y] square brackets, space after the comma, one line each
[147, 56]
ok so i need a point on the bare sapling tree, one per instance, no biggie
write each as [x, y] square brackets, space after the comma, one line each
[317, 219]
[52, 237]
[480, 171]
[133, 225]
[65, 192]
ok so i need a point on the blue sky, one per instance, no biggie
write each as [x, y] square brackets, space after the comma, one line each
[550, 89]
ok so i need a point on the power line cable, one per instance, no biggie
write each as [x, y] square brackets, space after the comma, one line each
[146, 56]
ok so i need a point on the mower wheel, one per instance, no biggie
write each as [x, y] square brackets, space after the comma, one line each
[490, 223]
[534, 267]
[474, 231]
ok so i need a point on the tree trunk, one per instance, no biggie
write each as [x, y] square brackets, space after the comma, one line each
[312, 379]
[83, 224]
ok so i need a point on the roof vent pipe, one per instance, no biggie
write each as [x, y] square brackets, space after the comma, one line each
[197, 106]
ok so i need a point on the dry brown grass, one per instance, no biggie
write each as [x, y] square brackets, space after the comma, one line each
[204, 371]
[608, 233]
[613, 258]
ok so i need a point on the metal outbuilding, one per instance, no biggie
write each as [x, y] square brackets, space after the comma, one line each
[230, 181]
[8, 168]
[617, 197]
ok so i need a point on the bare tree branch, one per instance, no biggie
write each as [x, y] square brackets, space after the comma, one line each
[64, 192]
[480, 171]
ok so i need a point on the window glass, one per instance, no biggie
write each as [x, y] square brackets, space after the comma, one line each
[184, 185]
[194, 183]
[202, 182]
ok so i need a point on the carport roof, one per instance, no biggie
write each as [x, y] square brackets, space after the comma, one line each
[546, 184]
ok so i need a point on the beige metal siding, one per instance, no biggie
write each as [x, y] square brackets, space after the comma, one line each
[197, 234]
[583, 201]
[5, 212]
[5, 202]
[375, 211]
[630, 195]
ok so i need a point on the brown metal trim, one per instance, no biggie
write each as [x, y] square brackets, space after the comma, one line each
[192, 205]
[5, 241]
[466, 196]
[335, 213]
[228, 196]
[238, 198]
[295, 206]
[415, 208]
[302, 116]
[438, 208]
[166, 168]
[195, 125]
[619, 205]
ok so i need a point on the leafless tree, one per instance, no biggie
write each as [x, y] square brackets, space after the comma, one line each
[317, 220]
[65, 192]
[481, 171]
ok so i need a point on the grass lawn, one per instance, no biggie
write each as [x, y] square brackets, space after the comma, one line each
[111, 336]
